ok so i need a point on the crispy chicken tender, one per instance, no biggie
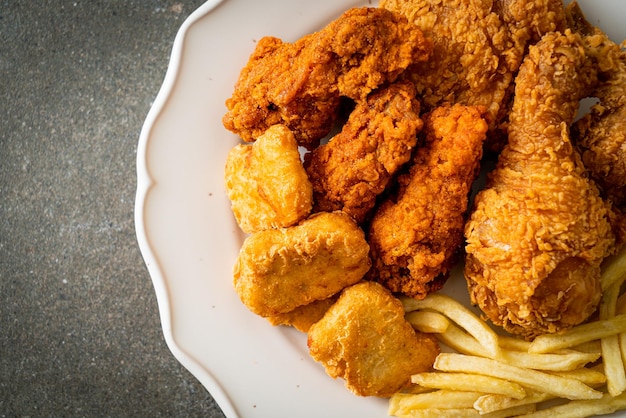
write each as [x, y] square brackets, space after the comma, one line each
[279, 270]
[365, 339]
[540, 230]
[415, 237]
[299, 84]
[355, 166]
[601, 134]
[266, 182]
[478, 47]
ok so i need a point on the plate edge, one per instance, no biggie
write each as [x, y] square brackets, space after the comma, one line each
[145, 183]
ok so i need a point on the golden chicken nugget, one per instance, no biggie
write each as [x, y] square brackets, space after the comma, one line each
[304, 316]
[266, 182]
[279, 270]
[365, 339]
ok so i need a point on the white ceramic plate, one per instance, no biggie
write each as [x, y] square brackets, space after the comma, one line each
[189, 238]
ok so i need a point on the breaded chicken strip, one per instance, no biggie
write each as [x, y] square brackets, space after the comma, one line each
[540, 230]
[415, 238]
[365, 339]
[280, 270]
[299, 84]
[478, 47]
[355, 166]
[266, 182]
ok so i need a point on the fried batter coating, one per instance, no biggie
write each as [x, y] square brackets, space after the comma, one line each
[355, 166]
[299, 84]
[266, 182]
[601, 134]
[478, 47]
[365, 339]
[540, 230]
[279, 270]
[415, 237]
[303, 317]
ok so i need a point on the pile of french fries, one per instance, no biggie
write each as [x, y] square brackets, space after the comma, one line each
[577, 373]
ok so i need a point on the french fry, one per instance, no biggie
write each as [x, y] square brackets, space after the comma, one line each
[621, 309]
[514, 411]
[491, 402]
[512, 343]
[470, 383]
[588, 347]
[533, 379]
[403, 403]
[611, 353]
[591, 377]
[467, 413]
[583, 408]
[429, 322]
[547, 361]
[459, 314]
[454, 337]
[440, 413]
[580, 334]
[614, 269]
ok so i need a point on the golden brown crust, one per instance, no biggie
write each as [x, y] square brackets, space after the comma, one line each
[299, 84]
[303, 317]
[478, 47]
[281, 269]
[266, 182]
[365, 339]
[540, 230]
[351, 170]
[415, 237]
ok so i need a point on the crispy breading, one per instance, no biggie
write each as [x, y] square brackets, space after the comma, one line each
[279, 270]
[266, 182]
[540, 230]
[365, 339]
[478, 47]
[303, 317]
[415, 237]
[601, 134]
[299, 84]
[355, 166]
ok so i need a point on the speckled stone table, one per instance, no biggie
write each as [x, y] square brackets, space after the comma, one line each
[79, 324]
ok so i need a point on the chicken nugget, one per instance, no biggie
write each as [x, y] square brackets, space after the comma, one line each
[266, 182]
[304, 316]
[279, 270]
[365, 339]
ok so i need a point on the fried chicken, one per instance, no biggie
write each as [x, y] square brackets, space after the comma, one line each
[266, 182]
[415, 237]
[365, 339]
[300, 84]
[279, 270]
[303, 317]
[355, 166]
[601, 134]
[540, 229]
[478, 47]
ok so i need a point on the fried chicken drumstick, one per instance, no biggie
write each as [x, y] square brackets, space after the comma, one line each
[300, 84]
[540, 229]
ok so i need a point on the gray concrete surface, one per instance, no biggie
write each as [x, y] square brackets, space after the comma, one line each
[79, 326]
